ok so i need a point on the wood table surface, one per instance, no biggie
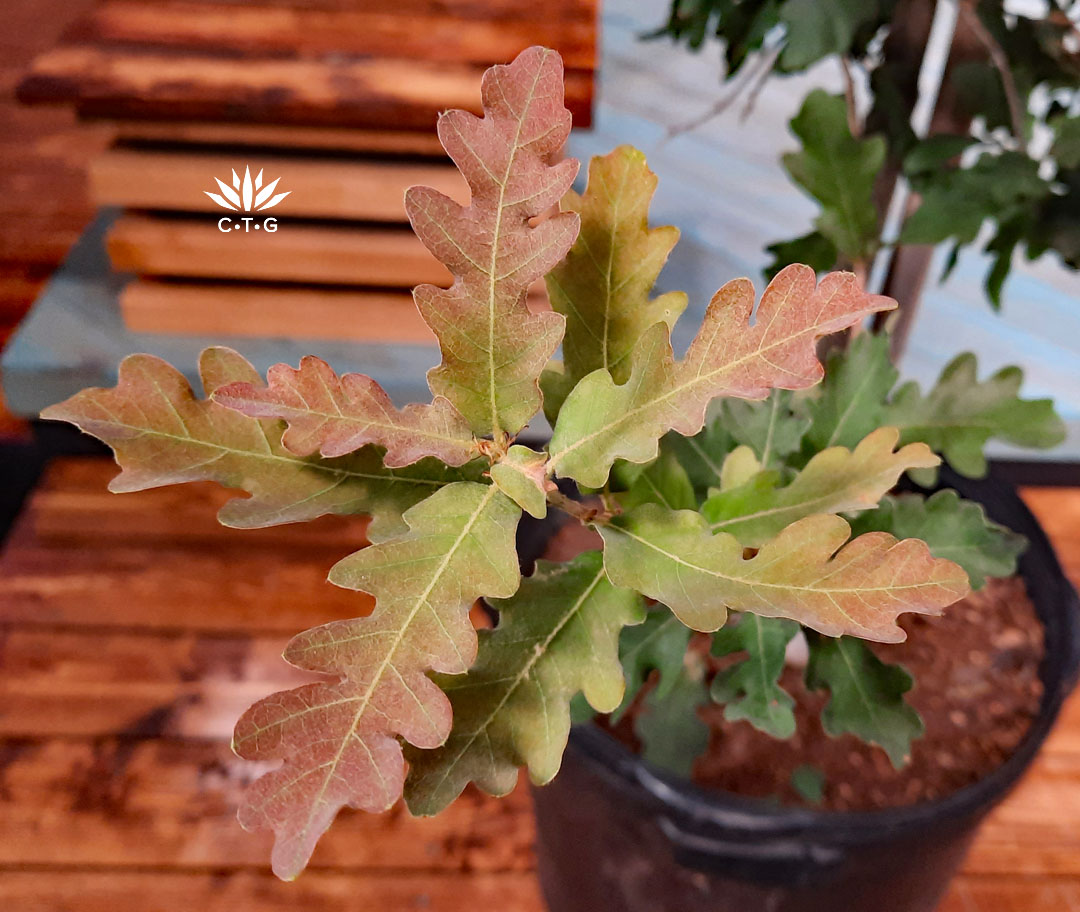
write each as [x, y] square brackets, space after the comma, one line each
[133, 631]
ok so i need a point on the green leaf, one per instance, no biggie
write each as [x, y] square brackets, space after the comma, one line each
[740, 466]
[813, 249]
[773, 429]
[336, 416]
[521, 476]
[750, 688]
[701, 456]
[601, 421]
[838, 171]
[557, 636]
[935, 152]
[955, 529]
[851, 399]
[162, 434]
[658, 645]
[960, 414]
[803, 574]
[672, 734]
[339, 739]
[809, 783]
[664, 482]
[820, 28]
[956, 201]
[1066, 147]
[603, 285]
[493, 347]
[836, 480]
[866, 696]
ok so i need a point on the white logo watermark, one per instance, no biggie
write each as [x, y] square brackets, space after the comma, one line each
[247, 195]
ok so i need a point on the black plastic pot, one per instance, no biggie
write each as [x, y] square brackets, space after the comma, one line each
[616, 835]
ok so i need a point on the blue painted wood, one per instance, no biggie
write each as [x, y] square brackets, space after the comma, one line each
[74, 337]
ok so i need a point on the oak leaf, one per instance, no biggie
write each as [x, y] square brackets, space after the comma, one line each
[601, 421]
[493, 348]
[163, 434]
[603, 285]
[339, 740]
[335, 416]
[557, 636]
[836, 480]
[809, 573]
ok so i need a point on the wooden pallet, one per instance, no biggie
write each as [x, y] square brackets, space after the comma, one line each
[321, 254]
[136, 628]
[381, 64]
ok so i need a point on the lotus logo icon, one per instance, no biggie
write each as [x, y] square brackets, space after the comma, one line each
[247, 195]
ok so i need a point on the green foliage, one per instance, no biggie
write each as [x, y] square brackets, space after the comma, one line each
[809, 783]
[521, 476]
[750, 688]
[956, 529]
[838, 171]
[1028, 194]
[836, 480]
[852, 397]
[657, 645]
[773, 429]
[961, 413]
[672, 734]
[559, 635]
[601, 421]
[866, 696]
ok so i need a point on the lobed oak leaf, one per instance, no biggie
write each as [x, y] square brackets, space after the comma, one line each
[657, 645]
[750, 688]
[952, 528]
[493, 348]
[961, 413]
[603, 285]
[836, 480]
[335, 416]
[559, 635]
[163, 434]
[866, 695]
[339, 740]
[601, 421]
[809, 573]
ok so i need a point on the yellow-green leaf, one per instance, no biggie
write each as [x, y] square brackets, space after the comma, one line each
[603, 285]
[521, 476]
[836, 480]
[601, 421]
[809, 573]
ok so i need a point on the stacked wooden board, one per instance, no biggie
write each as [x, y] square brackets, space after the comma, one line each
[337, 98]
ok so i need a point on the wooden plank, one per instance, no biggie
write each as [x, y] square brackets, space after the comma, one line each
[1058, 512]
[92, 684]
[376, 29]
[321, 254]
[106, 891]
[202, 589]
[73, 507]
[399, 142]
[367, 190]
[172, 803]
[206, 309]
[1009, 893]
[380, 93]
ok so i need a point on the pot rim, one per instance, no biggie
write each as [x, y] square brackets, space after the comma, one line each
[699, 809]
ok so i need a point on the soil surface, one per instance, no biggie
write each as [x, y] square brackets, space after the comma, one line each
[977, 689]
